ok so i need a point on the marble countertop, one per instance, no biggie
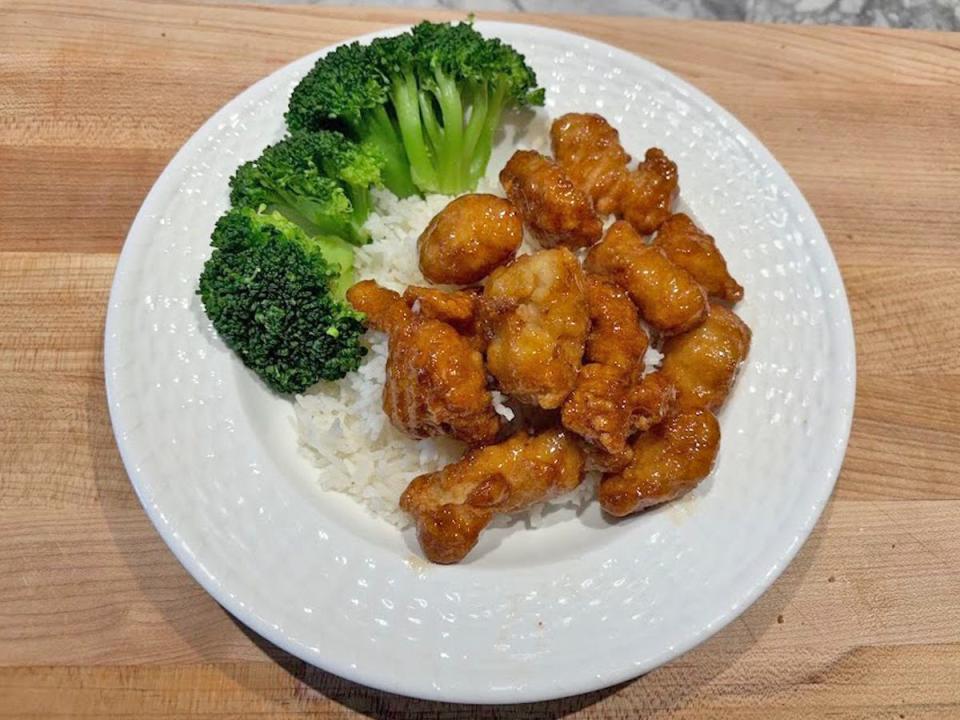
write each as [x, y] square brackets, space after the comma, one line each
[924, 14]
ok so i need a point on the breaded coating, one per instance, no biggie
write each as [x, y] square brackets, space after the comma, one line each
[616, 336]
[466, 240]
[689, 247]
[534, 314]
[554, 209]
[668, 297]
[435, 380]
[668, 461]
[451, 507]
[588, 148]
[652, 399]
[703, 362]
[608, 406]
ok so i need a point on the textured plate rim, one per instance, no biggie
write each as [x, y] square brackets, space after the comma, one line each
[841, 331]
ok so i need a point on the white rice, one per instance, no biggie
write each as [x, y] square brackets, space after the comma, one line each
[341, 424]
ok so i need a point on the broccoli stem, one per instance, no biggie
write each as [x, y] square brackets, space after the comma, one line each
[405, 95]
[379, 129]
[429, 118]
[449, 156]
[314, 224]
[336, 252]
[479, 107]
[315, 221]
[484, 146]
[362, 202]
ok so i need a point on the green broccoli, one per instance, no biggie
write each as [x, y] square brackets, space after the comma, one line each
[430, 99]
[319, 180]
[344, 91]
[276, 297]
[357, 167]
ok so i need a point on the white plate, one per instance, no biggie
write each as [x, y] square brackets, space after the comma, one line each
[537, 613]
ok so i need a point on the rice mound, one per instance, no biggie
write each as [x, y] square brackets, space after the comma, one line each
[341, 425]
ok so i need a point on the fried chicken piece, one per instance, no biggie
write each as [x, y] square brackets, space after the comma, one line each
[598, 408]
[451, 507]
[616, 336]
[648, 193]
[703, 362]
[611, 401]
[689, 247]
[667, 296]
[668, 461]
[381, 307]
[588, 148]
[471, 236]
[457, 308]
[608, 406]
[435, 381]
[534, 314]
[554, 209]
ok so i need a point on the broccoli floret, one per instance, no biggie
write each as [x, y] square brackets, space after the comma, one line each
[319, 180]
[357, 167]
[437, 92]
[463, 83]
[344, 91]
[276, 297]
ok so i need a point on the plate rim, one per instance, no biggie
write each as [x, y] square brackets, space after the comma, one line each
[843, 331]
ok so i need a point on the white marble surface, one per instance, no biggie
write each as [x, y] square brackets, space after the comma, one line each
[928, 14]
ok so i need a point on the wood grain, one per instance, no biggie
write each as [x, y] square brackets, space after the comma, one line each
[98, 620]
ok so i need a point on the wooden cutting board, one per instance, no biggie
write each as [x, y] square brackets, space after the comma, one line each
[97, 618]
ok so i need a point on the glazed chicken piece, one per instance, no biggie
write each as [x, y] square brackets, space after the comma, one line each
[647, 196]
[554, 209]
[689, 247]
[608, 406]
[616, 336]
[611, 401]
[451, 507]
[534, 314]
[668, 297]
[457, 308]
[668, 461]
[435, 381]
[471, 236]
[703, 362]
[588, 148]
[598, 408]
[383, 308]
